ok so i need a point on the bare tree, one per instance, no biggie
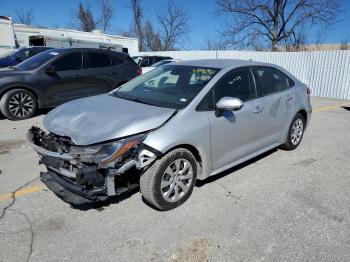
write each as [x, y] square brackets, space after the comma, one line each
[85, 18]
[107, 13]
[136, 6]
[172, 30]
[152, 41]
[275, 21]
[174, 25]
[215, 44]
[24, 17]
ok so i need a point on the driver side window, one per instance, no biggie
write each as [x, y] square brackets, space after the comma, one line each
[72, 61]
[237, 83]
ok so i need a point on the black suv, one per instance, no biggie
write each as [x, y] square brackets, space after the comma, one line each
[56, 76]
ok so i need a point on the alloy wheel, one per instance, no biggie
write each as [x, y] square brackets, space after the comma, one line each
[21, 105]
[297, 131]
[176, 180]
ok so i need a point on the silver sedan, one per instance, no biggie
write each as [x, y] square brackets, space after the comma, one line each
[164, 130]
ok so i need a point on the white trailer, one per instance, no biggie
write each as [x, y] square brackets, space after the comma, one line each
[53, 37]
[7, 36]
[20, 35]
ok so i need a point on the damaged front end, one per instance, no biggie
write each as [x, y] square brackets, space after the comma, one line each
[79, 174]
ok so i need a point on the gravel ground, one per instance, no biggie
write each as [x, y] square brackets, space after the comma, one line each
[291, 206]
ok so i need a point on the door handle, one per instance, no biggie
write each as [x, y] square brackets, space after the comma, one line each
[114, 73]
[289, 98]
[258, 109]
[76, 76]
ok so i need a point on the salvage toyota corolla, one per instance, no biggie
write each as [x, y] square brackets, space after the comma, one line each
[167, 128]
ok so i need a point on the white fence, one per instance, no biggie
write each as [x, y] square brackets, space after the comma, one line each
[326, 72]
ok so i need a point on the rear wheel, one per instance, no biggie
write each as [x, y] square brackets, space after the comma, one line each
[18, 104]
[295, 133]
[169, 182]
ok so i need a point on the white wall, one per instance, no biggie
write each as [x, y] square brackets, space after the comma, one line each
[326, 72]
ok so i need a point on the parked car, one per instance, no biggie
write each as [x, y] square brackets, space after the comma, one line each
[56, 76]
[145, 61]
[160, 63]
[15, 56]
[178, 123]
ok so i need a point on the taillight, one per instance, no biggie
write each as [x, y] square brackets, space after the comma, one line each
[138, 71]
[308, 91]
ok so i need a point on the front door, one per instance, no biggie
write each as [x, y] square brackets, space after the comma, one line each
[67, 82]
[236, 134]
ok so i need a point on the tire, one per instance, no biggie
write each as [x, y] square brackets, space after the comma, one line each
[167, 170]
[18, 104]
[295, 133]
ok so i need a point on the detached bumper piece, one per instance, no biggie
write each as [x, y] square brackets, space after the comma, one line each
[68, 192]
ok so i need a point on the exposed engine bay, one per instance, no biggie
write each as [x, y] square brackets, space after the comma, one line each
[90, 173]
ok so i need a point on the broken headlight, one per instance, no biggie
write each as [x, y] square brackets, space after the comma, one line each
[105, 155]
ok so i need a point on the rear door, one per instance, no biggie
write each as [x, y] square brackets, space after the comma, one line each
[277, 100]
[237, 134]
[102, 76]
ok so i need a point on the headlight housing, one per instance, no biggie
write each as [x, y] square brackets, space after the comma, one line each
[105, 155]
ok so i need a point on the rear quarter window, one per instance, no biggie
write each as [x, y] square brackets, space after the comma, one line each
[271, 80]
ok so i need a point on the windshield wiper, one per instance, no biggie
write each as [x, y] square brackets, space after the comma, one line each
[135, 99]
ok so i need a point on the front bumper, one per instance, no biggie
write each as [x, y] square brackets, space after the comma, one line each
[69, 192]
[75, 182]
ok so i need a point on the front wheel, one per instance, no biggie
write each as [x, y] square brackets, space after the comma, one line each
[295, 133]
[169, 182]
[18, 104]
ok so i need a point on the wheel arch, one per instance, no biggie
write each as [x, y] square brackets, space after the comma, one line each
[195, 153]
[303, 113]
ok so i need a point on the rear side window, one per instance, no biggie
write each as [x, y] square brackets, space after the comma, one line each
[95, 60]
[116, 60]
[72, 61]
[270, 80]
[33, 52]
[146, 62]
[237, 83]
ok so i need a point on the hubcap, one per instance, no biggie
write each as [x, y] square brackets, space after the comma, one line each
[176, 180]
[297, 131]
[21, 104]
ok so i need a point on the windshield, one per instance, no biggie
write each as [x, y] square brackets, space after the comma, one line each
[171, 86]
[8, 53]
[163, 62]
[137, 59]
[38, 60]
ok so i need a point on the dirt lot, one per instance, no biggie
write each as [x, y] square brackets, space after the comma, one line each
[292, 206]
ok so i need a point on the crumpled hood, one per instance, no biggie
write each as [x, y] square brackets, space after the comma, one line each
[104, 117]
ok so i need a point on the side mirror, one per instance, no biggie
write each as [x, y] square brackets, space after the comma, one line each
[50, 70]
[229, 104]
[19, 59]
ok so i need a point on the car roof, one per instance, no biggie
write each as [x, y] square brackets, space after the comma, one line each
[90, 49]
[159, 56]
[39, 47]
[220, 63]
